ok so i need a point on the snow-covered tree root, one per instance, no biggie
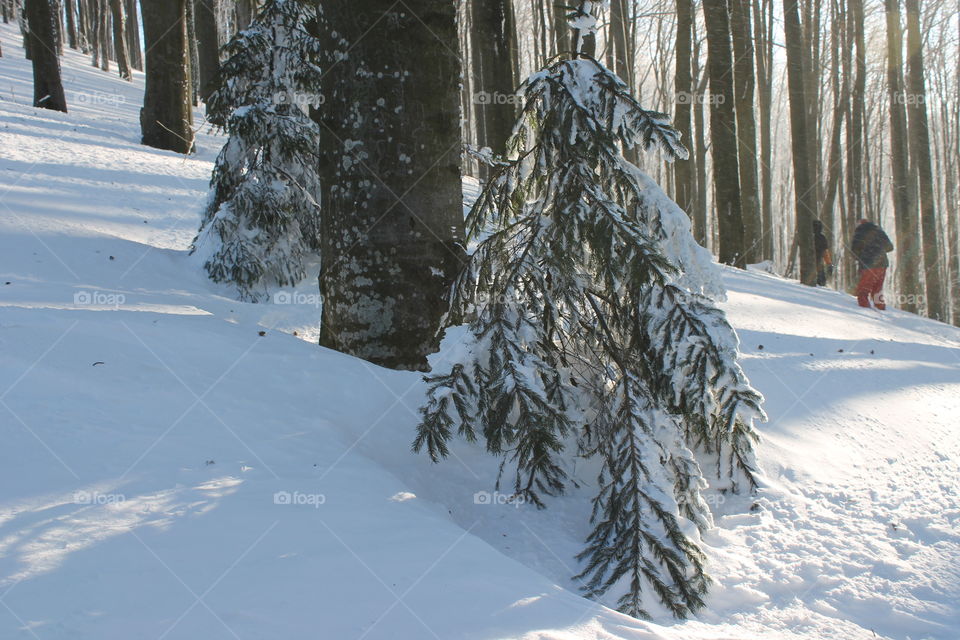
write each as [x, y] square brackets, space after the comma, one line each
[593, 331]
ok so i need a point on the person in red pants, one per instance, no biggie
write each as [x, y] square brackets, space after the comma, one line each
[871, 246]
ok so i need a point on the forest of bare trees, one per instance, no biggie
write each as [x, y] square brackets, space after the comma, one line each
[793, 111]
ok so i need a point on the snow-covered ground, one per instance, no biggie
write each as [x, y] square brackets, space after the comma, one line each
[166, 471]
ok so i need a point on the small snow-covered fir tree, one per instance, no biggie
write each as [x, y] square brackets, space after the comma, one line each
[593, 331]
[262, 221]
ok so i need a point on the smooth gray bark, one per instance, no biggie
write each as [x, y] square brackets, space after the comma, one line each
[390, 166]
[166, 119]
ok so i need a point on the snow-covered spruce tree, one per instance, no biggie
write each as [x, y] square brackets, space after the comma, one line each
[262, 220]
[592, 330]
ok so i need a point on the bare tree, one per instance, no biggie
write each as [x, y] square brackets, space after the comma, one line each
[621, 45]
[744, 82]
[104, 35]
[805, 196]
[120, 47]
[208, 45]
[84, 31]
[166, 119]
[47, 85]
[723, 134]
[840, 90]
[953, 188]
[683, 96]
[908, 244]
[133, 35]
[58, 25]
[810, 28]
[584, 41]
[71, 24]
[701, 227]
[561, 32]
[193, 54]
[93, 13]
[763, 49]
[245, 10]
[857, 69]
[494, 69]
[919, 142]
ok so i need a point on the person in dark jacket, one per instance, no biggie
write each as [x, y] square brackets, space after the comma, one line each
[870, 246]
[824, 257]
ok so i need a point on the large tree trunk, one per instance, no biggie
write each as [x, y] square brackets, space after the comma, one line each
[167, 118]
[908, 242]
[683, 95]
[120, 39]
[208, 44]
[920, 159]
[723, 134]
[133, 35]
[47, 85]
[805, 196]
[493, 47]
[390, 161]
[744, 82]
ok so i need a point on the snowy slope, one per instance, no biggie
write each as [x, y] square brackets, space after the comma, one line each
[168, 472]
